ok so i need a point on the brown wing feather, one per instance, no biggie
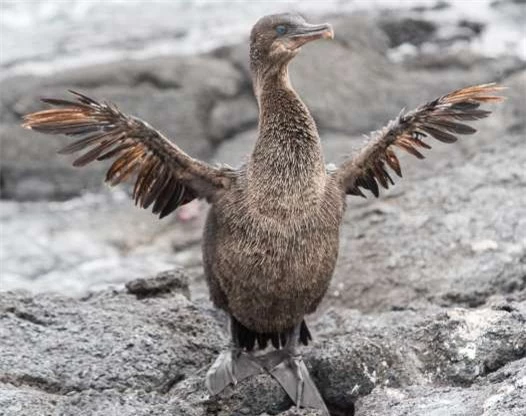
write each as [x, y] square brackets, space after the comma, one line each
[165, 176]
[443, 119]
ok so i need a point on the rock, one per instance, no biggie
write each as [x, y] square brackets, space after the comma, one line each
[335, 78]
[462, 59]
[31, 169]
[512, 115]
[499, 3]
[169, 282]
[106, 330]
[352, 86]
[476, 27]
[230, 117]
[439, 5]
[107, 351]
[389, 240]
[457, 347]
[300, 412]
[112, 350]
[500, 394]
[407, 30]
[106, 341]
[236, 150]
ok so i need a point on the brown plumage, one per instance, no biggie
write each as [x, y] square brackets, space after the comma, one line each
[271, 238]
[441, 119]
[165, 176]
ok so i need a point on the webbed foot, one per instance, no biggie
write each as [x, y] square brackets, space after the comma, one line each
[229, 368]
[293, 376]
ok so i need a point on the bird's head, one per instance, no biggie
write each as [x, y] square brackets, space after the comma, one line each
[278, 38]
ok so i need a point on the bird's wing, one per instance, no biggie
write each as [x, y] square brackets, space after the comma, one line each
[443, 119]
[165, 176]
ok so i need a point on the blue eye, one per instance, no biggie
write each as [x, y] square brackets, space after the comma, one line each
[281, 29]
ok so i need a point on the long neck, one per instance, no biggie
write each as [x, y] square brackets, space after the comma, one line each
[287, 158]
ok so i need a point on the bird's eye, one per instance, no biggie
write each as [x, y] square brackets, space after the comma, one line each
[281, 29]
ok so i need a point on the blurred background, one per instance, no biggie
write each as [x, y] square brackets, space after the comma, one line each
[182, 66]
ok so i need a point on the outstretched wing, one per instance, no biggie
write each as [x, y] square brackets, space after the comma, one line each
[443, 119]
[165, 175]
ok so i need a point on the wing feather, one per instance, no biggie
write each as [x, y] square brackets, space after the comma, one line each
[442, 119]
[165, 176]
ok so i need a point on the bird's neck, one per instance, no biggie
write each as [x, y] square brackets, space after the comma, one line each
[287, 157]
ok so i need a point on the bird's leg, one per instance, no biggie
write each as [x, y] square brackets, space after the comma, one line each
[232, 366]
[289, 370]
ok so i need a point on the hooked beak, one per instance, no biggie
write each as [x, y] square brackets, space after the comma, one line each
[307, 33]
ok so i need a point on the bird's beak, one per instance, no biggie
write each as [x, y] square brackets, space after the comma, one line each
[307, 33]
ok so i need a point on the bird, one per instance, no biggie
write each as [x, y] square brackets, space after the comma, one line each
[271, 237]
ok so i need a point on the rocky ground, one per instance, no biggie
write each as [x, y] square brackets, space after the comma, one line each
[427, 310]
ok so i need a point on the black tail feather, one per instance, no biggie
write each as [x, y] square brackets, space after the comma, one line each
[305, 335]
[247, 339]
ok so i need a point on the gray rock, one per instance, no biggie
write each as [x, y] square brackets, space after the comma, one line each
[358, 90]
[477, 246]
[236, 150]
[500, 3]
[407, 30]
[112, 352]
[106, 341]
[106, 352]
[230, 117]
[354, 355]
[500, 394]
[169, 282]
[31, 169]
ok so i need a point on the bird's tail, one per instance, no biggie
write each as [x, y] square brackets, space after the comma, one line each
[249, 339]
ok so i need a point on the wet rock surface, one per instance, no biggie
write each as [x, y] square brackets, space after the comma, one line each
[427, 308]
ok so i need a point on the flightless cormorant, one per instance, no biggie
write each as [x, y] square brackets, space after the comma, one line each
[271, 237]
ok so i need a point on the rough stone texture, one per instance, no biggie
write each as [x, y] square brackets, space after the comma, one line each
[112, 352]
[500, 394]
[100, 353]
[408, 30]
[167, 282]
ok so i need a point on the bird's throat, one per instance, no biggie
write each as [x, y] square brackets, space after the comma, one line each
[287, 160]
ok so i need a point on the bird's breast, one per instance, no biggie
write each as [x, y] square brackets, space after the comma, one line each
[293, 229]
